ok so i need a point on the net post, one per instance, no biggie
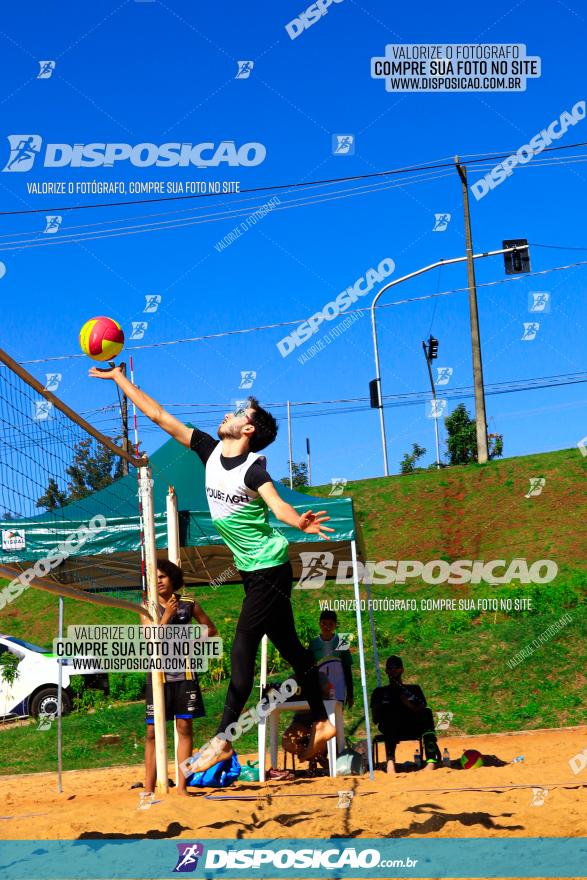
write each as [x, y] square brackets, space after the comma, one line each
[162, 786]
[174, 555]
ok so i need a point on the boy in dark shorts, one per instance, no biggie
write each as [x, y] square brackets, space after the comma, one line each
[240, 493]
[183, 698]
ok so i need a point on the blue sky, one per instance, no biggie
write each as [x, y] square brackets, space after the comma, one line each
[165, 71]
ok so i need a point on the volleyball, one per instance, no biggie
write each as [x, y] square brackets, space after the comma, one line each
[101, 338]
[471, 758]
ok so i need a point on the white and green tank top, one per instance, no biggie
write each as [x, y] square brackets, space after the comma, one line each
[241, 516]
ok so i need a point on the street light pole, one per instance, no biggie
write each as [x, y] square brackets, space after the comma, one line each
[378, 380]
[394, 283]
[480, 416]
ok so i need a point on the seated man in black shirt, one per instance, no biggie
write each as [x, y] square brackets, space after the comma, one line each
[401, 712]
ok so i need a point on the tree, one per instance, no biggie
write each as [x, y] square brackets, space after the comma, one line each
[299, 471]
[462, 438]
[90, 470]
[9, 668]
[53, 496]
[408, 462]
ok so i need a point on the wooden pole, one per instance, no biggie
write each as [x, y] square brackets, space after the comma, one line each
[174, 555]
[162, 786]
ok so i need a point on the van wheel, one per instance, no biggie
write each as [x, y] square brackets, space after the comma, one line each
[45, 702]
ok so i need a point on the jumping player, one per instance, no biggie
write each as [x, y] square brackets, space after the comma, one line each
[240, 491]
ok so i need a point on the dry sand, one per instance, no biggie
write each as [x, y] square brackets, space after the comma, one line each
[418, 804]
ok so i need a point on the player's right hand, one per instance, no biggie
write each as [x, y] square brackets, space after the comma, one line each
[104, 372]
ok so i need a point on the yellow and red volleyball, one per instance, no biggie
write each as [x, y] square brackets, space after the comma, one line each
[471, 758]
[101, 338]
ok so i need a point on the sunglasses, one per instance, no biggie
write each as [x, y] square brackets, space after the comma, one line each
[242, 411]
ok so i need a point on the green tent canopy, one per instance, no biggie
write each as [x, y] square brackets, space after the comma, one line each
[110, 559]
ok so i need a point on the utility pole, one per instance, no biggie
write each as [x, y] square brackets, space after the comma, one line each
[480, 416]
[289, 444]
[308, 454]
[124, 416]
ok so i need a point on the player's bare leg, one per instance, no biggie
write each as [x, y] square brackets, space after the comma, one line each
[215, 750]
[184, 750]
[322, 731]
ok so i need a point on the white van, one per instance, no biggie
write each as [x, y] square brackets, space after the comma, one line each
[34, 691]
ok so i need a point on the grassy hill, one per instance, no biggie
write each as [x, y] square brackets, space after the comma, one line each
[459, 657]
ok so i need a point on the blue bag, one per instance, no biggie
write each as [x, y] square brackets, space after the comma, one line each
[218, 775]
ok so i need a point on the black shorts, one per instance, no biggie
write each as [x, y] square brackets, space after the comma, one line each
[267, 591]
[183, 699]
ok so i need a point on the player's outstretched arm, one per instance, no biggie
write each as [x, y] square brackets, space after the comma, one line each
[147, 405]
[309, 522]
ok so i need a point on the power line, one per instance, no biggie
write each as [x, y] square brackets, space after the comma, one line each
[406, 399]
[181, 222]
[290, 323]
[271, 188]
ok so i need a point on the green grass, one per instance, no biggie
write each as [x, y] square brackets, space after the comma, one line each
[459, 658]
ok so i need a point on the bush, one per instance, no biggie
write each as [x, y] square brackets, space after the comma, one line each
[127, 687]
[88, 698]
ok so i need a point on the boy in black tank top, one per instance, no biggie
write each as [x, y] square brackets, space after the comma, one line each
[183, 698]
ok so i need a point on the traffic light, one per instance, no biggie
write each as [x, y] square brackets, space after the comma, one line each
[374, 394]
[432, 348]
[517, 261]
